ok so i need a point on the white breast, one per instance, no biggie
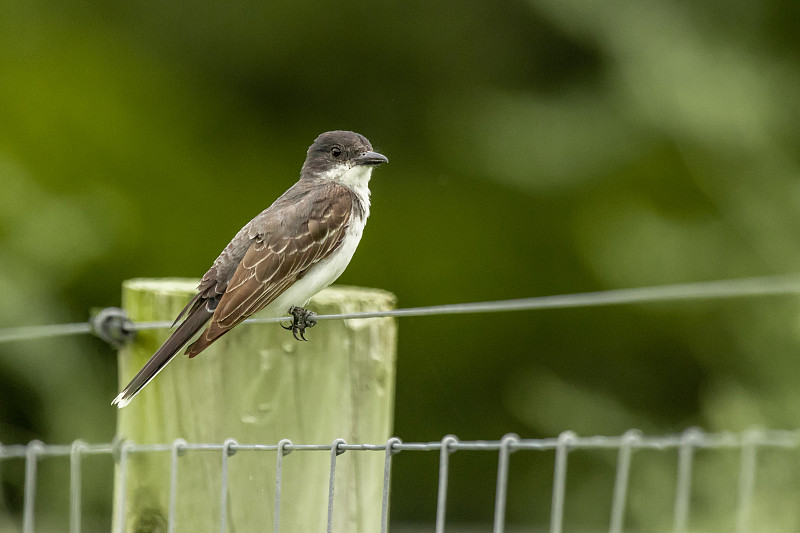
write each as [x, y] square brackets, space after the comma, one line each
[329, 269]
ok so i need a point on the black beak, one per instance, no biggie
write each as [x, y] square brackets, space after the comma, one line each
[370, 158]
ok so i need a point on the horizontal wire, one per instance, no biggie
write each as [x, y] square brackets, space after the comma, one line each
[692, 437]
[763, 286]
[704, 290]
[40, 332]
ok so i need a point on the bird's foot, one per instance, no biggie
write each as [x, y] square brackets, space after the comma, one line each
[301, 319]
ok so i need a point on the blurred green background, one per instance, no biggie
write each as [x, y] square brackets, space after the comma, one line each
[537, 147]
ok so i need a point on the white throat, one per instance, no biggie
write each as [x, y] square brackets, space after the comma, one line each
[356, 178]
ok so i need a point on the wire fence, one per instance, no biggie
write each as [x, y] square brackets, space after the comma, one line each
[748, 444]
[112, 325]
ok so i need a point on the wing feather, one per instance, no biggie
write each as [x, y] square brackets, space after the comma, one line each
[281, 255]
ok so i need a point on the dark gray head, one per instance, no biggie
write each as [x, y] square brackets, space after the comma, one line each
[334, 153]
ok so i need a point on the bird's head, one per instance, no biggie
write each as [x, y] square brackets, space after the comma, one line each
[343, 156]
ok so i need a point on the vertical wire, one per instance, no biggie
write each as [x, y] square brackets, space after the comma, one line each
[501, 487]
[228, 449]
[178, 447]
[560, 481]
[2, 495]
[75, 486]
[683, 489]
[123, 485]
[387, 471]
[747, 481]
[621, 479]
[444, 468]
[32, 452]
[282, 451]
[332, 481]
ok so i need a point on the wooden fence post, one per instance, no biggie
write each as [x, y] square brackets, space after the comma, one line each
[259, 385]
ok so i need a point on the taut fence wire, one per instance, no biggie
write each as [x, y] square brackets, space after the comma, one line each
[686, 444]
[112, 325]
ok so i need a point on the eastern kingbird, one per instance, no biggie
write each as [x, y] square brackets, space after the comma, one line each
[296, 247]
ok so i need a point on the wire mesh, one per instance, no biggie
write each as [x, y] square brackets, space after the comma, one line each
[685, 445]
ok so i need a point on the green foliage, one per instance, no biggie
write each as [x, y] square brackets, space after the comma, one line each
[539, 147]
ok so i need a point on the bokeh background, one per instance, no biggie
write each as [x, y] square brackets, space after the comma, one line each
[537, 147]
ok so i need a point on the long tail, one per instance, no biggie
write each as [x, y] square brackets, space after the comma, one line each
[164, 354]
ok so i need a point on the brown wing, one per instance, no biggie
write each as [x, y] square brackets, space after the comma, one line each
[280, 255]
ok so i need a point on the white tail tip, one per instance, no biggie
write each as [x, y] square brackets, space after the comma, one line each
[120, 401]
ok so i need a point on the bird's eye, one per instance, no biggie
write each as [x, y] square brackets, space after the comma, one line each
[336, 151]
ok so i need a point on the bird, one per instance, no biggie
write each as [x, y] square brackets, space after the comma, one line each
[290, 251]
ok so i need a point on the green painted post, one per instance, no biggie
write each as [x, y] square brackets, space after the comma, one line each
[258, 385]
